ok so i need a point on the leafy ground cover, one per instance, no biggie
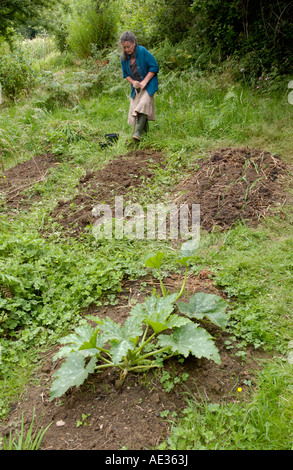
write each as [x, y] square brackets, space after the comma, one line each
[216, 144]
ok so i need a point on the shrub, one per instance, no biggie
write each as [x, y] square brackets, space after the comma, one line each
[91, 25]
[16, 73]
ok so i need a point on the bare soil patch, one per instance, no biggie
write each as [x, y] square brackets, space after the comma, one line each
[103, 415]
[232, 184]
[122, 176]
[16, 181]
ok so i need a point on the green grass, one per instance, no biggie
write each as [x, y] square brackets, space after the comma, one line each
[195, 114]
[31, 440]
[254, 267]
[265, 423]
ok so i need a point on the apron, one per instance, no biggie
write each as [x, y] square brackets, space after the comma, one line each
[142, 103]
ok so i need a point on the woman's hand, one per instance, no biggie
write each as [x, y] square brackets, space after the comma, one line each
[136, 84]
[146, 80]
[143, 84]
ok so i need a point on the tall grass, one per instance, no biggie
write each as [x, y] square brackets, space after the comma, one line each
[212, 109]
[39, 48]
[91, 27]
[193, 112]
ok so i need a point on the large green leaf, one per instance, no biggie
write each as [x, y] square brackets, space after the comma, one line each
[81, 334]
[131, 329]
[159, 323]
[110, 330]
[152, 304]
[191, 339]
[72, 372]
[155, 261]
[156, 311]
[122, 338]
[119, 350]
[206, 305]
[85, 339]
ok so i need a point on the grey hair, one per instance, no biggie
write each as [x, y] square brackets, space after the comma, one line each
[128, 36]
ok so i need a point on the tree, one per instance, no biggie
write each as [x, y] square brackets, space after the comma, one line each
[14, 12]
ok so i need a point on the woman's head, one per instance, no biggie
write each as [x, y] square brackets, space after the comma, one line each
[128, 42]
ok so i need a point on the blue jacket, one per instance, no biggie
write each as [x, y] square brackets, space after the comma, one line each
[145, 63]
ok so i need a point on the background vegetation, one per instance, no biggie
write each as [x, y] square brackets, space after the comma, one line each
[224, 73]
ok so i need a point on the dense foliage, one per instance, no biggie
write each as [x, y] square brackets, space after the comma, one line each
[14, 13]
[258, 35]
[92, 25]
[16, 73]
[260, 31]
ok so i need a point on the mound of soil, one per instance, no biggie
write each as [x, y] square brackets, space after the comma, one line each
[17, 180]
[103, 415]
[120, 177]
[234, 184]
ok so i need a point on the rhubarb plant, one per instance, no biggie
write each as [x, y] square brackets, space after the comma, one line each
[155, 330]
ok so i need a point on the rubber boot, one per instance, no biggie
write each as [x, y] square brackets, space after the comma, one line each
[141, 126]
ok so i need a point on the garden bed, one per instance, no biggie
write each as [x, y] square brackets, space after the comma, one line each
[235, 184]
[102, 414]
[230, 185]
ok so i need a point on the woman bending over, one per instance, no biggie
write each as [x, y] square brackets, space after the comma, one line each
[140, 69]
